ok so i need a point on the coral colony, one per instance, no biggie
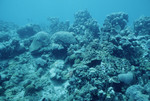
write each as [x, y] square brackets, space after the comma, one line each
[83, 61]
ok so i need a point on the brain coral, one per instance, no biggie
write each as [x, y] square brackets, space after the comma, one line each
[40, 39]
[64, 38]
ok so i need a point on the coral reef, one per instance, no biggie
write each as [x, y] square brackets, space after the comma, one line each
[28, 30]
[115, 22]
[7, 26]
[41, 39]
[125, 47]
[142, 25]
[63, 38]
[135, 93]
[60, 42]
[11, 49]
[85, 24]
[57, 25]
[4, 37]
[78, 62]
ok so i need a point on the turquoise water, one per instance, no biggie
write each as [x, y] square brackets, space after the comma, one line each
[99, 56]
[37, 11]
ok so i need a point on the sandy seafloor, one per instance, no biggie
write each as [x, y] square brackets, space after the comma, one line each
[79, 61]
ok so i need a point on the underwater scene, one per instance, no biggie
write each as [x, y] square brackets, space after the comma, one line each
[74, 50]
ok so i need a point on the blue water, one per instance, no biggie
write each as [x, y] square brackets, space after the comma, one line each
[37, 11]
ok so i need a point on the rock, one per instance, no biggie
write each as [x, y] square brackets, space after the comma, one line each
[148, 44]
[115, 22]
[58, 50]
[142, 26]
[41, 39]
[64, 38]
[134, 93]
[40, 62]
[1, 90]
[59, 64]
[85, 25]
[58, 72]
[4, 37]
[30, 89]
[7, 26]
[28, 30]
[57, 25]
[3, 64]
[11, 49]
[121, 47]
[60, 43]
[147, 87]
[126, 78]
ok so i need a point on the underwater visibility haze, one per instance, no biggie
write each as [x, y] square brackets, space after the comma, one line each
[37, 11]
[74, 50]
